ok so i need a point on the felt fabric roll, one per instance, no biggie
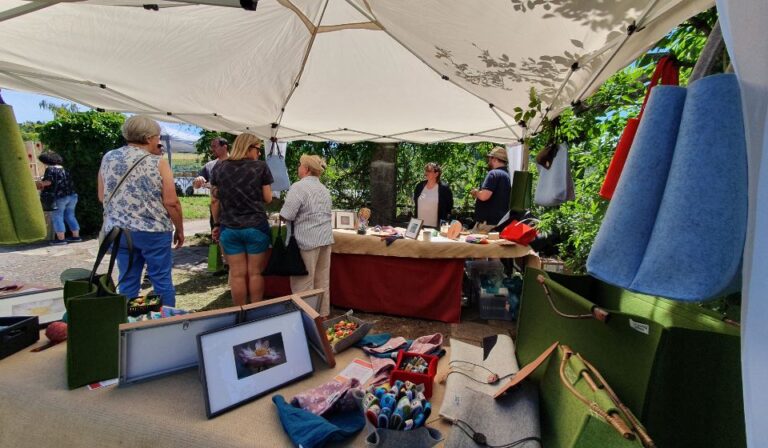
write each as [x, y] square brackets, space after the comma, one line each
[20, 193]
[7, 229]
[696, 247]
[621, 242]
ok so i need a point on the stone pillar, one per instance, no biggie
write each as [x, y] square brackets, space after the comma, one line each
[383, 192]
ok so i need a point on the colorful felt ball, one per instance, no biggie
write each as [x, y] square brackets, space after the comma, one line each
[56, 332]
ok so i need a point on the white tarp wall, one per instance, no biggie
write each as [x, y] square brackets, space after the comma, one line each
[353, 70]
[743, 24]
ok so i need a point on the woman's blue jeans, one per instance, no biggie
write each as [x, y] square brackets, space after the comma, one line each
[154, 250]
[65, 211]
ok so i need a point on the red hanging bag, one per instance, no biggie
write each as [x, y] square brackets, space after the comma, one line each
[668, 73]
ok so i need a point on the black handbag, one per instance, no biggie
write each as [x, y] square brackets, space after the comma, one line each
[48, 200]
[285, 260]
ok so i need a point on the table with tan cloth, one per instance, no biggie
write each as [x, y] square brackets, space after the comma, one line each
[39, 411]
[410, 278]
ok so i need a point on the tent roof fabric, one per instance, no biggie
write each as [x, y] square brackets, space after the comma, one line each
[387, 71]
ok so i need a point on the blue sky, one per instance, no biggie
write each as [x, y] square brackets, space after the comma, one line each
[26, 107]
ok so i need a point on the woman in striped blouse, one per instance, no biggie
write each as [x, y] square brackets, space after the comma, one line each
[308, 206]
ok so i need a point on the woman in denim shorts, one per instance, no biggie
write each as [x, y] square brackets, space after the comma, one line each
[241, 190]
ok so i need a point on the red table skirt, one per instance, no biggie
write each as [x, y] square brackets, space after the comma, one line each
[275, 286]
[413, 287]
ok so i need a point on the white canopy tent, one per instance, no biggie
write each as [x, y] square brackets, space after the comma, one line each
[386, 71]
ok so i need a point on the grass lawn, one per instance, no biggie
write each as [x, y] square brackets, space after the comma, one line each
[195, 207]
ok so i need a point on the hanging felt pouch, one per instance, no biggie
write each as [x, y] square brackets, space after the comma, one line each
[285, 260]
[520, 196]
[555, 182]
[666, 73]
[623, 237]
[275, 157]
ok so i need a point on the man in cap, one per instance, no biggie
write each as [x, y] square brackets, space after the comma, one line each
[492, 199]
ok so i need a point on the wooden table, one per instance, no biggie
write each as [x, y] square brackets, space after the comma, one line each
[407, 278]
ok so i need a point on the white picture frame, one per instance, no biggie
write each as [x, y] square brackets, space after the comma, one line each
[345, 220]
[413, 229]
[243, 362]
[46, 304]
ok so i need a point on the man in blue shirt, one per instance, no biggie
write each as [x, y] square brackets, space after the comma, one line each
[492, 199]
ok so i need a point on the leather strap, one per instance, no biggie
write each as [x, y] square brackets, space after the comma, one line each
[526, 371]
[667, 73]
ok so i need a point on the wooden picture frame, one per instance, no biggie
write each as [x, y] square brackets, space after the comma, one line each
[413, 229]
[238, 364]
[345, 220]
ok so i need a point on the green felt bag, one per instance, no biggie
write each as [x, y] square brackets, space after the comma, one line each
[94, 313]
[520, 196]
[215, 262]
[666, 360]
[576, 407]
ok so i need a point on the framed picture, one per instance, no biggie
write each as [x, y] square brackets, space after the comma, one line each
[243, 362]
[46, 304]
[414, 226]
[345, 219]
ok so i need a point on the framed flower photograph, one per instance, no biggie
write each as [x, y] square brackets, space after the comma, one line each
[241, 363]
[414, 226]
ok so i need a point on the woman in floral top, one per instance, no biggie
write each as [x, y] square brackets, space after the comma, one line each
[146, 204]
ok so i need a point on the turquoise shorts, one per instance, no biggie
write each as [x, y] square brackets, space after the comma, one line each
[249, 240]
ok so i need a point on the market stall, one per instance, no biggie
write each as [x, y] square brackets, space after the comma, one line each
[407, 277]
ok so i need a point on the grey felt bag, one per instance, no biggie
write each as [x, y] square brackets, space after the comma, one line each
[555, 184]
[423, 437]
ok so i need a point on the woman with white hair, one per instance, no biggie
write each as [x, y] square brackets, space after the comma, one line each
[308, 206]
[137, 190]
[242, 186]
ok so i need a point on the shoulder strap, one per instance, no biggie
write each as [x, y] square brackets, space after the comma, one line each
[122, 179]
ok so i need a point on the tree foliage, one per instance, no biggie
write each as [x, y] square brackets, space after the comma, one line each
[82, 139]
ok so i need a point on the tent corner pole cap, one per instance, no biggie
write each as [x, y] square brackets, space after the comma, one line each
[151, 7]
[274, 125]
[249, 5]
[631, 28]
[575, 66]
[98, 109]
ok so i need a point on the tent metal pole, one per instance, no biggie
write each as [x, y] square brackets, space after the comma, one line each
[493, 108]
[43, 89]
[25, 9]
[295, 85]
[630, 31]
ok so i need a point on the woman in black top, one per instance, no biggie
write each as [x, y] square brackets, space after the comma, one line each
[242, 187]
[433, 200]
[58, 182]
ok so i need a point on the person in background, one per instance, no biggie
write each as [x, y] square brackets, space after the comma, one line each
[308, 206]
[241, 189]
[58, 181]
[492, 199]
[146, 204]
[220, 150]
[432, 198]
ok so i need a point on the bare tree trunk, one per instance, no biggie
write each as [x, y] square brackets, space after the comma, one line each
[383, 192]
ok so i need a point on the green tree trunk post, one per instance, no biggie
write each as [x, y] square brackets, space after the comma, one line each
[383, 188]
[20, 194]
